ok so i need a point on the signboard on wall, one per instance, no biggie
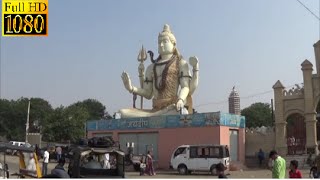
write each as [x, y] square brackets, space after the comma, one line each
[170, 121]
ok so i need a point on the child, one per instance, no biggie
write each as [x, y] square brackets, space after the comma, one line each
[313, 171]
[220, 170]
[294, 172]
[142, 167]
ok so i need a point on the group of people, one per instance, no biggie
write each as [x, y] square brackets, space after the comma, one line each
[146, 166]
[58, 171]
[277, 164]
[99, 161]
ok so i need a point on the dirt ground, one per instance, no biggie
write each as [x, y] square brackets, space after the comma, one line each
[248, 173]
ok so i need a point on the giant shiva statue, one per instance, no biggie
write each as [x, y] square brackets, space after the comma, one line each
[168, 81]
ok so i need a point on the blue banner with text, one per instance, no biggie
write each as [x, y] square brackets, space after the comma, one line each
[170, 121]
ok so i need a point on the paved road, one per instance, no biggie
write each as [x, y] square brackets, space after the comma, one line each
[248, 174]
[251, 173]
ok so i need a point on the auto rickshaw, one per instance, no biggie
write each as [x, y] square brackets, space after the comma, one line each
[88, 162]
[24, 154]
[4, 169]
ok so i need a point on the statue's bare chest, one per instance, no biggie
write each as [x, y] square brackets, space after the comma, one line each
[159, 70]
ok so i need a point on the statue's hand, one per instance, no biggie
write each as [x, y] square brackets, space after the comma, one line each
[126, 81]
[193, 60]
[179, 105]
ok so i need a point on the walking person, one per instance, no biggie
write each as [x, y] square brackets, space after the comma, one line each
[317, 163]
[37, 150]
[220, 171]
[59, 170]
[294, 171]
[292, 145]
[142, 167]
[6, 168]
[45, 162]
[149, 162]
[279, 165]
[313, 171]
[59, 153]
[32, 164]
[106, 161]
[260, 157]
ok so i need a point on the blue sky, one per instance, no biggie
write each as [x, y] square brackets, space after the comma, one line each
[250, 44]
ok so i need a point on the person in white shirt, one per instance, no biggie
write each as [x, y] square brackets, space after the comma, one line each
[31, 164]
[31, 169]
[45, 162]
[106, 163]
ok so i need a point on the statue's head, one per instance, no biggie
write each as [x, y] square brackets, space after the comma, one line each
[166, 41]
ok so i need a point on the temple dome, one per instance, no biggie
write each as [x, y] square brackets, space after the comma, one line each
[234, 93]
[234, 102]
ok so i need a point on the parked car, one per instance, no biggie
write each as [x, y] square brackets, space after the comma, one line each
[188, 158]
[17, 143]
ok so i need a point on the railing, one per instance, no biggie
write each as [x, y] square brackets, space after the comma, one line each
[297, 146]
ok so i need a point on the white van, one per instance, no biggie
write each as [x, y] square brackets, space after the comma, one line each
[17, 143]
[188, 158]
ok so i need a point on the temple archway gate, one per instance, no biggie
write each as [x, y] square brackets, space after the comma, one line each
[298, 105]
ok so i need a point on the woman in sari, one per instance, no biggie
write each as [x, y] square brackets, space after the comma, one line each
[149, 162]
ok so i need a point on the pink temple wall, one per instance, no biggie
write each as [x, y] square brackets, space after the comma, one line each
[172, 138]
[169, 139]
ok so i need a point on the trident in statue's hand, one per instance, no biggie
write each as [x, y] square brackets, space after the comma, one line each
[141, 58]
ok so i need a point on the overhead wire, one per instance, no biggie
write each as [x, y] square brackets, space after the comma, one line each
[309, 10]
[245, 97]
[269, 91]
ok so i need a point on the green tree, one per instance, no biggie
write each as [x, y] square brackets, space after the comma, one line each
[258, 114]
[40, 109]
[13, 116]
[95, 109]
[53, 125]
[15, 119]
[6, 113]
[60, 124]
[66, 124]
[76, 118]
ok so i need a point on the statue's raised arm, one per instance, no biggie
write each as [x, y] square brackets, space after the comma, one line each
[145, 91]
[167, 80]
[194, 62]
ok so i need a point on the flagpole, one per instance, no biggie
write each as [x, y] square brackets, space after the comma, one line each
[27, 124]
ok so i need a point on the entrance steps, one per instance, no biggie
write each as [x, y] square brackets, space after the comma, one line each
[302, 160]
[253, 162]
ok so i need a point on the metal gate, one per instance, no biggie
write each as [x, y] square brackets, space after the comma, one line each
[296, 134]
[142, 142]
[234, 144]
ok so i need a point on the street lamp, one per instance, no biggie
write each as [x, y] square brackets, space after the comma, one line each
[27, 123]
[36, 125]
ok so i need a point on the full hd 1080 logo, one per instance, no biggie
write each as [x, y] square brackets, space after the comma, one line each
[24, 17]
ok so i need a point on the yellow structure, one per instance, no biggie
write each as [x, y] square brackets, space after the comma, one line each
[295, 111]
